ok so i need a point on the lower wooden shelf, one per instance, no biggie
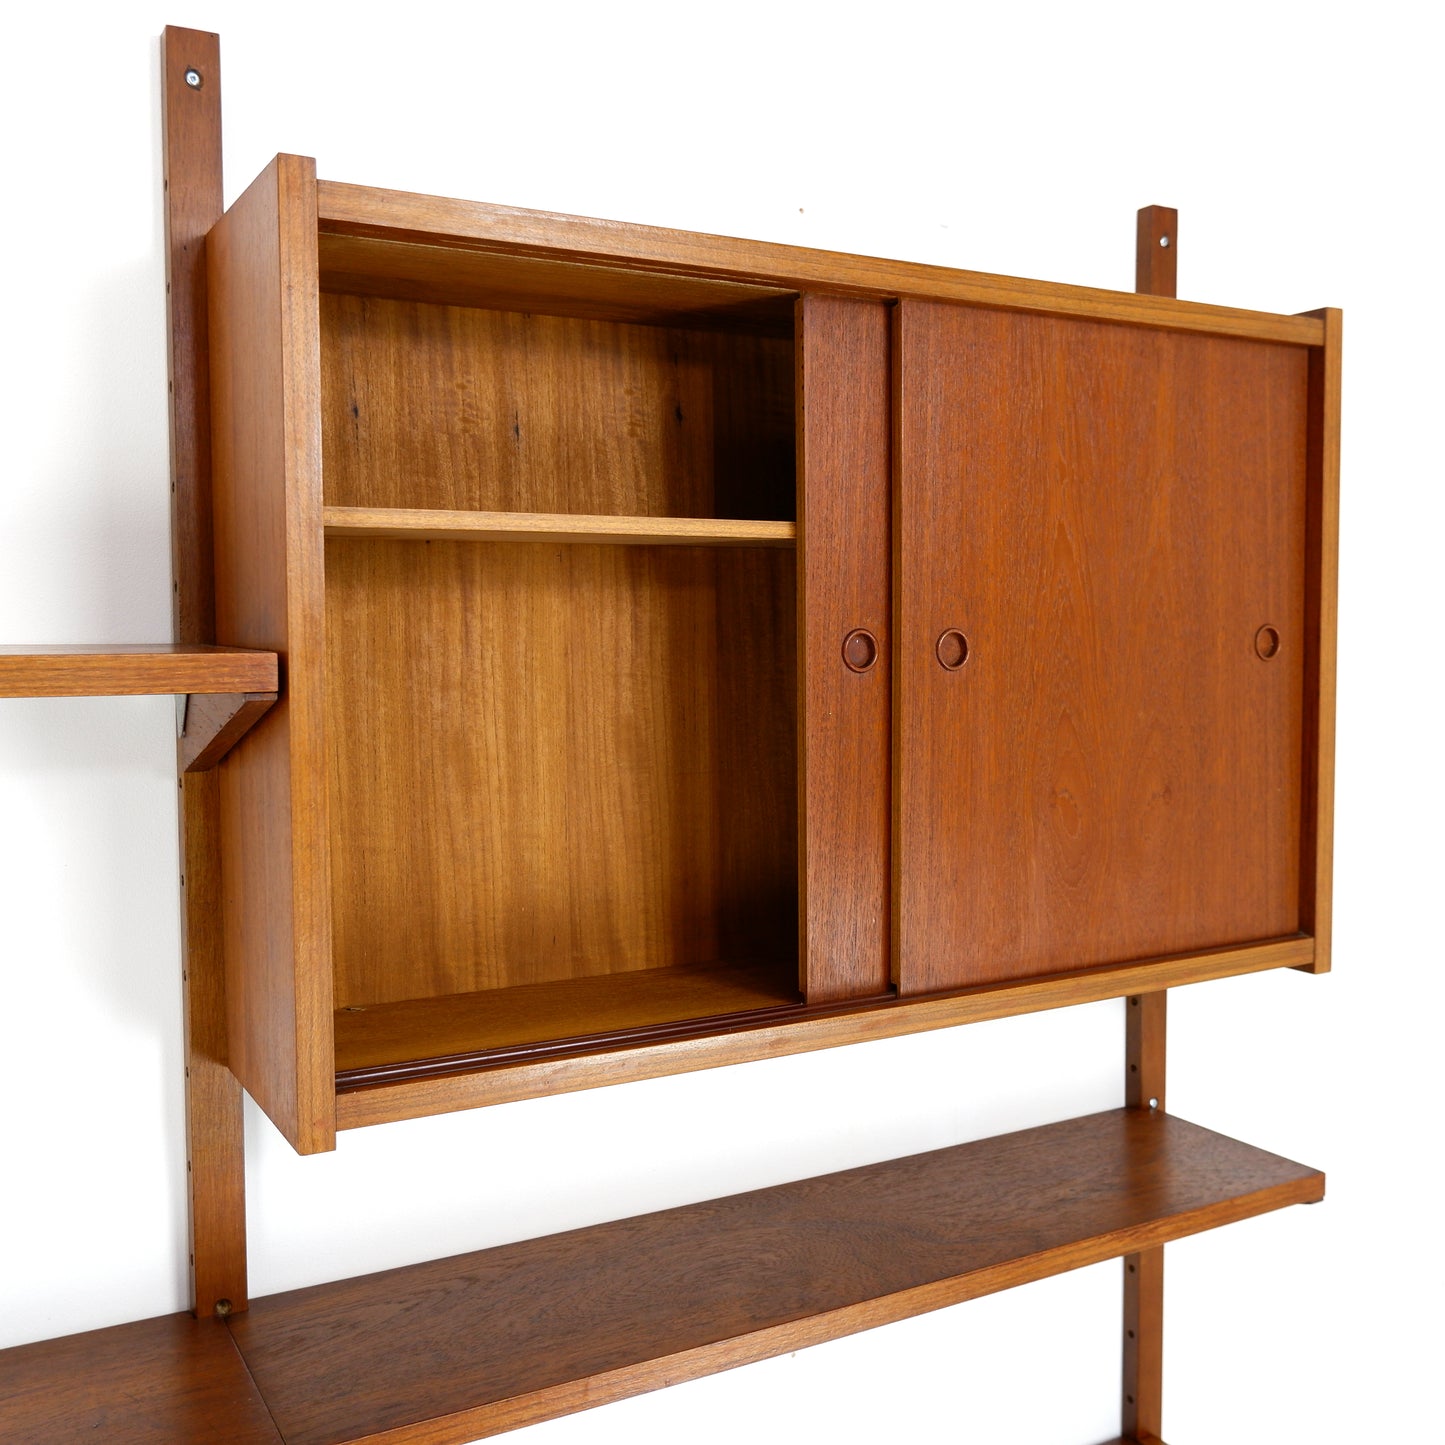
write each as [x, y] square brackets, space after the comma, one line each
[175, 1378]
[458, 1349]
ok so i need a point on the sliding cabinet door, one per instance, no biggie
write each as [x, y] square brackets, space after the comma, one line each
[843, 646]
[1100, 631]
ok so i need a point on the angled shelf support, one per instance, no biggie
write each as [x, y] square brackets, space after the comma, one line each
[213, 724]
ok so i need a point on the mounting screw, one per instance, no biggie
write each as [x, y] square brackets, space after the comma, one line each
[1163, 240]
[223, 1307]
[193, 77]
[1153, 1103]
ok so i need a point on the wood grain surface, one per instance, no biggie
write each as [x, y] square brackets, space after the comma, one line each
[436, 526]
[399, 217]
[266, 458]
[1321, 629]
[456, 1025]
[527, 1331]
[1146, 1034]
[104, 669]
[1142, 1397]
[843, 517]
[215, 1125]
[1156, 251]
[628, 801]
[155, 1382]
[1109, 516]
[826, 1026]
[461, 409]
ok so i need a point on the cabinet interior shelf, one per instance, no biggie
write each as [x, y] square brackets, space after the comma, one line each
[133, 670]
[429, 524]
[454, 1349]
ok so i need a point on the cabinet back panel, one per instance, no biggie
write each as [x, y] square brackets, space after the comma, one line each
[1109, 515]
[452, 407]
[552, 761]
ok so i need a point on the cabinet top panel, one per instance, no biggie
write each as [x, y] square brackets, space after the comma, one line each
[750, 277]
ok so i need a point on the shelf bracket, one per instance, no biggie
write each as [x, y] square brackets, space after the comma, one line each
[212, 724]
[215, 1138]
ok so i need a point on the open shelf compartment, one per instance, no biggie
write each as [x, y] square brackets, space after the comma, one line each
[561, 662]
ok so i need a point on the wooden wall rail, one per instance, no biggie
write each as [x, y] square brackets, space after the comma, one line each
[215, 1139]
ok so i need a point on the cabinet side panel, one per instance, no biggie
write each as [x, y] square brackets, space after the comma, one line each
[269, 590]
[843, 586]
[1110, 517]
[1321, 603]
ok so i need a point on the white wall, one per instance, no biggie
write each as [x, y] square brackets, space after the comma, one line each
[1303, 152]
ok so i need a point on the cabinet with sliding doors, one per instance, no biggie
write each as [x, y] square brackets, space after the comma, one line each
[682, 667]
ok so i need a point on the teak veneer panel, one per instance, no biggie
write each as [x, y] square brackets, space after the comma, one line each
[467, 1347]
[436, 526]
[551, 761]
[266, 476]
[460, 409]
[125, 670]
[843, 591]
[1109, 515]
[401, 218]
[172, 1379]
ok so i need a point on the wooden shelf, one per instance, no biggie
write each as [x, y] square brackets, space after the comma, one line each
[133, 670]
[460, 1348]
[425, 1037]
[444, 526]
[175, 1378]
[508, 1336]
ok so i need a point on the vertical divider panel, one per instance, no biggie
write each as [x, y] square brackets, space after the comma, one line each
[844, 644]
[270, 584]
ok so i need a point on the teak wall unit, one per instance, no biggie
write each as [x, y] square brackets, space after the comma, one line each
[640, 652]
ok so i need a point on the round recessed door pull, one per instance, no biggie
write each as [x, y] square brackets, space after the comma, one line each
[860, 650]
[952, 649]
[1266, 642]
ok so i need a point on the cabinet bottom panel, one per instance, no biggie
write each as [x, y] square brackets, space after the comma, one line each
[427, 1037]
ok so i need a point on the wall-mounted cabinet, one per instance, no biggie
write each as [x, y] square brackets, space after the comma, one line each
[674, 650]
